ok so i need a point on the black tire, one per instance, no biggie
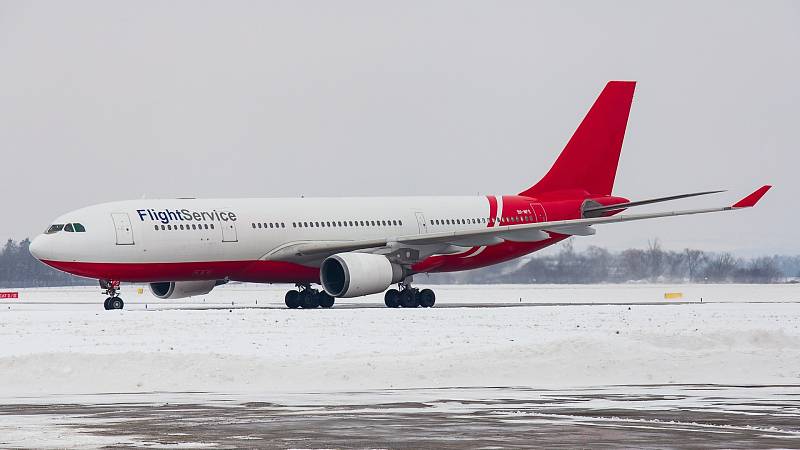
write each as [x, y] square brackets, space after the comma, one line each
[392, 298]
[326, 300]
[107, 303]
[292, 299]
[116, 303]
[426, 298]
[408, 299]
[309, 300]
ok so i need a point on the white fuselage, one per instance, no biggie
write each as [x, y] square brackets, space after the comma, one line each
[254, 227]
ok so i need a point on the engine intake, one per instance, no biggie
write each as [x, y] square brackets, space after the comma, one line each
[181, 289]
[354, 274]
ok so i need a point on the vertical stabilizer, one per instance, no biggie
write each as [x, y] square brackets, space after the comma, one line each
[589, 161]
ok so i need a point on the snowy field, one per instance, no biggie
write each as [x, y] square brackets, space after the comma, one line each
[59, 346]
[240, 338]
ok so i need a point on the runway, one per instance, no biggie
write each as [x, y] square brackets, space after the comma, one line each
[488, 367]
[649, 416]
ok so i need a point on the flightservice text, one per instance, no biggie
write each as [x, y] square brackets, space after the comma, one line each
[166, 215]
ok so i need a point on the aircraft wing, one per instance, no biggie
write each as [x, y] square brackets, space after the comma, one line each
[486, 236]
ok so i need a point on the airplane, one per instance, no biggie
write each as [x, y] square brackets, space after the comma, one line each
[352, 246]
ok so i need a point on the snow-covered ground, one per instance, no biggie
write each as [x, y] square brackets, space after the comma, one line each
[241, 340]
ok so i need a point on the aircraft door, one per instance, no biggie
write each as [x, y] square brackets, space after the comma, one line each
[423, 225]
[123, 229]
[538, 212]
[229, 231]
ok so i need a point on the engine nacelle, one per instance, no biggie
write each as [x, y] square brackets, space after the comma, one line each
[354, 274]
[181, 289]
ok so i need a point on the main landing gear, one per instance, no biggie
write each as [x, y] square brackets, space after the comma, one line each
[307, 298]
[409, 297]
[111, 288]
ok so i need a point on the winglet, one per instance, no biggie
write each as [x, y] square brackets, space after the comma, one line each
[753, 198]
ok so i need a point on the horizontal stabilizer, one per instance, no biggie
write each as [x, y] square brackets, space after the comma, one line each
[596, 211]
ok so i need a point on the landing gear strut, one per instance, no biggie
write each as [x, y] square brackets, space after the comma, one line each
[111, 289]
[307, 298]
[409, 297]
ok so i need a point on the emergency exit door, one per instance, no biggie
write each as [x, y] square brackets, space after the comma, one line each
[122, 226]
[423, 225]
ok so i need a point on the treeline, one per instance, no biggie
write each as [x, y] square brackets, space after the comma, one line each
[18, 268]
[651, 264]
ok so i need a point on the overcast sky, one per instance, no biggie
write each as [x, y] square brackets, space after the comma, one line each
[111, 100]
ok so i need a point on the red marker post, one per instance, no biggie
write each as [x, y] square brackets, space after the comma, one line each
[9, 295]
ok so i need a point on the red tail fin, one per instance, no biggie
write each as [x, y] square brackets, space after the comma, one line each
[589, 161]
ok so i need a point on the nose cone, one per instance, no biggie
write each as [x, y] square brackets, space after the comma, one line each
[37, 248]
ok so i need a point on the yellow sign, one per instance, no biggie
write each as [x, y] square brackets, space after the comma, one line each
[673, 295]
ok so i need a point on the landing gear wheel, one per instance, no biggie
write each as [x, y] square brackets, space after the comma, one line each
[325, 300]
[309, 299]
[426, 298]
[292, 299]
[111, 289]
[408, 298]
[392, 298]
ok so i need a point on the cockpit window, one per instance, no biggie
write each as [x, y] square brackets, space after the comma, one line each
[79, 228]
[55, 228]
[68, 228]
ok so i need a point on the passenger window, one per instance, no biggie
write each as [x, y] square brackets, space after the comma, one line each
[163, 228]
[212, 226]
[156, 227]
[69, 228]
[283, 225]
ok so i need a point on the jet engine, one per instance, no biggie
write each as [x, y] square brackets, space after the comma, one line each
[181, 289]
[353, 274]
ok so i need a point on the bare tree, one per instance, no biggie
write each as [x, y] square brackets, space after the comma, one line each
[693, 259]
[721, 268]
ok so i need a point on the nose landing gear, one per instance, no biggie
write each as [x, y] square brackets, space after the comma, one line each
[111, 288]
